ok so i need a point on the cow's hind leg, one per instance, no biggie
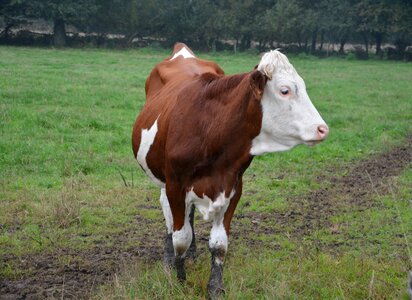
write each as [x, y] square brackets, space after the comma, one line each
[169, 254]
[182, 239]
[191, 252]
[182, 230]
[218, 245]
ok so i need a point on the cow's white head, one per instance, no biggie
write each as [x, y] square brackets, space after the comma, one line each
[289, 117]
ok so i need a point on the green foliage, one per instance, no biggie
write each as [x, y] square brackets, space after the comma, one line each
[206, 23]
[384, 18]
[75, 12]
[60, 12]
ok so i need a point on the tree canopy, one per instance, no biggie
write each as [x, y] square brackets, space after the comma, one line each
[304, 24]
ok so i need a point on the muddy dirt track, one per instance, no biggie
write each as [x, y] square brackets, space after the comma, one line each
[88, 269]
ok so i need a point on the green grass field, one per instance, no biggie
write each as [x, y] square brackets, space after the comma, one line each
[71, 193]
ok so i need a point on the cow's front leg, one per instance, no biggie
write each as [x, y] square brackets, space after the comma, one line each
[182, 230]
[218, 245]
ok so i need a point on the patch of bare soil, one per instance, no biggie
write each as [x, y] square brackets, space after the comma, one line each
[351, 192]
[76, 274]
[73, 274]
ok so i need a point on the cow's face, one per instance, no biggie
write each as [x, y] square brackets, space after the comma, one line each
[289, 117]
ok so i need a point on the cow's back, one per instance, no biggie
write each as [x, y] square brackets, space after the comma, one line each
[181, 66]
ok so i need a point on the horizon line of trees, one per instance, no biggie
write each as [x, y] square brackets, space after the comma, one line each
[204, 24]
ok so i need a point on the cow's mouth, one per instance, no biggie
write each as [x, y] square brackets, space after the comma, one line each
[312, 142]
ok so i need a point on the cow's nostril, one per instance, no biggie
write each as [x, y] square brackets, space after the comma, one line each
[323, 131]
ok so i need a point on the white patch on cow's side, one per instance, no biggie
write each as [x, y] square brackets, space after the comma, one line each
[146, 140]
[183, 52]
[166, 210]
[183, 237]
[288, 120]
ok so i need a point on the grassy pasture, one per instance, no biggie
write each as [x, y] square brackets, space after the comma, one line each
[65, 123]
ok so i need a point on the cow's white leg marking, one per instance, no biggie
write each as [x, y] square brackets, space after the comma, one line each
[146, 140]
[166, 210]
[183, 52]
[183, 237]
[218, 241]
[218, 244]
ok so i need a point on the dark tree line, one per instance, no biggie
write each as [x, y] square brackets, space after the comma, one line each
[306, 25]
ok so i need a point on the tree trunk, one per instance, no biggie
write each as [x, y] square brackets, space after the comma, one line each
[401, 45]
[214, 45]
[59, 33]
[322, 39]
[262, 45]
[299, 42]
[248, 43]
[130, 37]
[6, 32]
[342, 47]
[365, 40]
[313, 45]
[379, 38]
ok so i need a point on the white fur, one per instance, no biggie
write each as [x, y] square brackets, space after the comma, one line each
[213, 210]
[183, 52]
[218, 235]
[208, 208]
[287, 120]
[183, 237]
[166, 210]
[146, 140]
[203, 204]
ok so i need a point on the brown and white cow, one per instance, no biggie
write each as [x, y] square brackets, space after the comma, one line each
[199, 131]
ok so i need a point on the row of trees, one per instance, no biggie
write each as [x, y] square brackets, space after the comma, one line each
[306, 24]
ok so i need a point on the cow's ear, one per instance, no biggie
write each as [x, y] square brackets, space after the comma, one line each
[257, 83]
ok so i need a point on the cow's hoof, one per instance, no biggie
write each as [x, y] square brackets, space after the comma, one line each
[215, 291]
[191, 253]
[169, 260]
[180, 268]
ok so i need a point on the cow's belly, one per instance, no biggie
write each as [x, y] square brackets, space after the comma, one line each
[146, 141]
[210, 210]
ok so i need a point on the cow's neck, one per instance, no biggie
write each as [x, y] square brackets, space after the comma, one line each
[244, 114]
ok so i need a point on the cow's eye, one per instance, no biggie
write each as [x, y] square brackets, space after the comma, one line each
[284, 90]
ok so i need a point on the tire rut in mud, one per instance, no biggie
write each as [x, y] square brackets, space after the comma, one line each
[87, 269]
[351, 192]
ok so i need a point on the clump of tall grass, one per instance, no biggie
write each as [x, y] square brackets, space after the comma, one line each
[66, 211]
